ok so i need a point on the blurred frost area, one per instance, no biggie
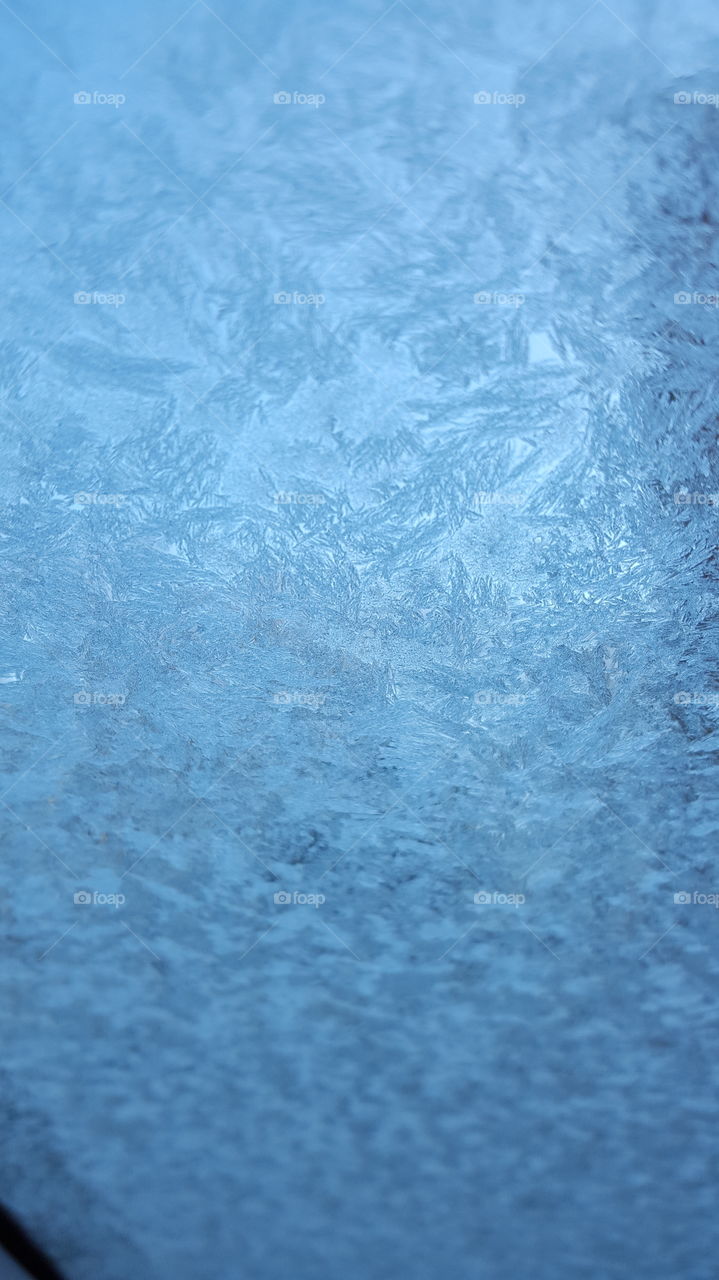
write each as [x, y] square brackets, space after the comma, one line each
[380, 687]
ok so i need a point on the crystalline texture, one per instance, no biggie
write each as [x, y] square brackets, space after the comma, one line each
[358, 703]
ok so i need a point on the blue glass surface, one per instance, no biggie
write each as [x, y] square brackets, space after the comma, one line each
[359, 710]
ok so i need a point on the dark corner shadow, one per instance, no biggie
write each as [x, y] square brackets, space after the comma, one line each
[17, 1243]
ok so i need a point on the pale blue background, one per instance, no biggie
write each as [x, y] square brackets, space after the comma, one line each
[400, 1083]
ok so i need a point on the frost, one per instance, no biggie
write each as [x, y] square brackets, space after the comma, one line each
[404, 601]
